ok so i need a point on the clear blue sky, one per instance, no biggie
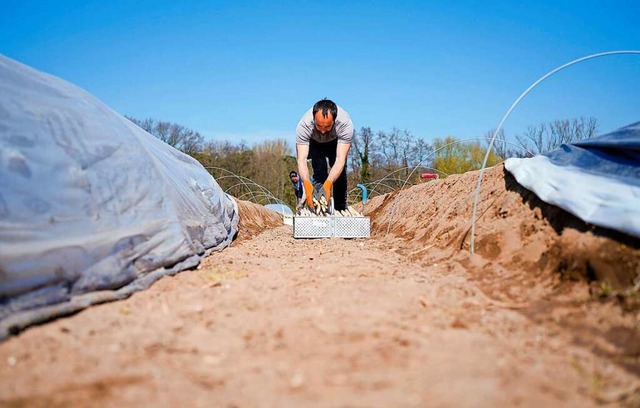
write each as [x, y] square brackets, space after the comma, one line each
[248, 69]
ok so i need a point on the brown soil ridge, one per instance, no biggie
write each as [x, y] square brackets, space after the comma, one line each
[255, 218]
[515, 230]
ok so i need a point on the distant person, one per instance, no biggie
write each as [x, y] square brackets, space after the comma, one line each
[324, 133]
[297, 187]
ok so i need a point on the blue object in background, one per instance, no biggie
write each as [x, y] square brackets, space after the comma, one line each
[364, 192]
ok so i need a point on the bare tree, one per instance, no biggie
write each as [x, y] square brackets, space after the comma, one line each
[570, 130]
[546, 137]
[533, 139]
[396, 148]
[397, 152]
[500, 146]
[182, 138]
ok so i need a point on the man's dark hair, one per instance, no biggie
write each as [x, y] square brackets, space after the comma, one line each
[293, 173]
[326, 106]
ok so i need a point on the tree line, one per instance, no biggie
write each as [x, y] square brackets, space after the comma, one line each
[380, 160]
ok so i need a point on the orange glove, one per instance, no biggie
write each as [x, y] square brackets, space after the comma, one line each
[327, 190]
[308, 192]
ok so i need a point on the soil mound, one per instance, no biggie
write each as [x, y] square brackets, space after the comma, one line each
[515, 231]
[254, 219]
[531, 256]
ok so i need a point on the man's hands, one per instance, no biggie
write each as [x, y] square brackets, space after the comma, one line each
[317, 197]
[327, 189]
[308, 192]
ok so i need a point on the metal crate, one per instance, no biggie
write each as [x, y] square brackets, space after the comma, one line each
[331, 226]
[351, 227]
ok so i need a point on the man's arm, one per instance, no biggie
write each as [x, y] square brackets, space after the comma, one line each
[341, 160]
[344, 130]
[302, 152]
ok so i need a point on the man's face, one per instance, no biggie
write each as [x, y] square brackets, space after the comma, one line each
[323, 125]
[294, 178]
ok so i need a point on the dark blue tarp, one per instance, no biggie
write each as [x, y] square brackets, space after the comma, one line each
[597, 180]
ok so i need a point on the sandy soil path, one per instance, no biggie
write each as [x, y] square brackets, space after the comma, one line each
[407, 319]
[274, 321]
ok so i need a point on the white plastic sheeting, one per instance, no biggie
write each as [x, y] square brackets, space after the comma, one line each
[281, 208]
[597, 180]
[92, 208]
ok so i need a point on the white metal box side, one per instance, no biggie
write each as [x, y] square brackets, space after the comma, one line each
[327, 227]
[352, 227]
[312, 227]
